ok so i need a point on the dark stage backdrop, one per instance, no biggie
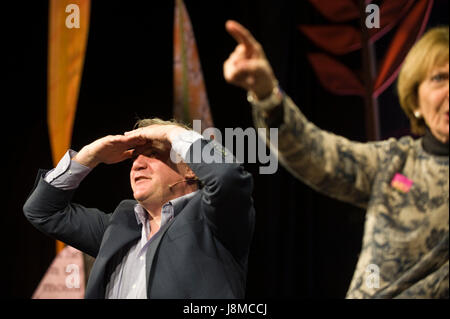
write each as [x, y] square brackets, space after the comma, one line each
[305, 246]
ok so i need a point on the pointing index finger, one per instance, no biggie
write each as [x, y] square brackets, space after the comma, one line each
[241, 34]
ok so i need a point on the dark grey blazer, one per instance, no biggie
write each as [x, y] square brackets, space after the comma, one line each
[202, 253]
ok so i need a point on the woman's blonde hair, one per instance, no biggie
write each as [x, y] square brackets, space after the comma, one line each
[429, 52]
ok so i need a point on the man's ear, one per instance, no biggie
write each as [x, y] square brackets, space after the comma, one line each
[189, 174]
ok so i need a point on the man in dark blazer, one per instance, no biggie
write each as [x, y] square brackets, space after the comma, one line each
[186, 234]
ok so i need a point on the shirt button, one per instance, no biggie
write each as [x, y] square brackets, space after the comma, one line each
[141, 258]
[134, 286]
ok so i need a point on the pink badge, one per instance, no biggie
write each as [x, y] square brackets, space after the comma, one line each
[401, 183]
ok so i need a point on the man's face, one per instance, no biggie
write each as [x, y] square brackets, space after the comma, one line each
[152, 174]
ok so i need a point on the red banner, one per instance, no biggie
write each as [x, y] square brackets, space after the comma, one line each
[190, 98]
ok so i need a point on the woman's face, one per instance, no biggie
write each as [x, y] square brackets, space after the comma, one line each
[433, 102]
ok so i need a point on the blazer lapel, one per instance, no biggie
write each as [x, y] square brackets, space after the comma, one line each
[151, 251]
[122, 230]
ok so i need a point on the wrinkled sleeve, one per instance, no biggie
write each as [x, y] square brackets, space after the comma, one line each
[330, 164]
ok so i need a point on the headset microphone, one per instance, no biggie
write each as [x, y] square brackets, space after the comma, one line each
[188, 180]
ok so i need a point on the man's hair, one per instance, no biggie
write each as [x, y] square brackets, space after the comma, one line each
[157, 121]
[429, 52]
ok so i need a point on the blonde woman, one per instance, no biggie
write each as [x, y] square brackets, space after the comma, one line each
[403, 184]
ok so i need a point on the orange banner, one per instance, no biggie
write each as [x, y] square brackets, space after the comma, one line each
[68, 32]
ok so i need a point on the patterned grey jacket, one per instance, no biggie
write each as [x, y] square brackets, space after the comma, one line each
[405, 245]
